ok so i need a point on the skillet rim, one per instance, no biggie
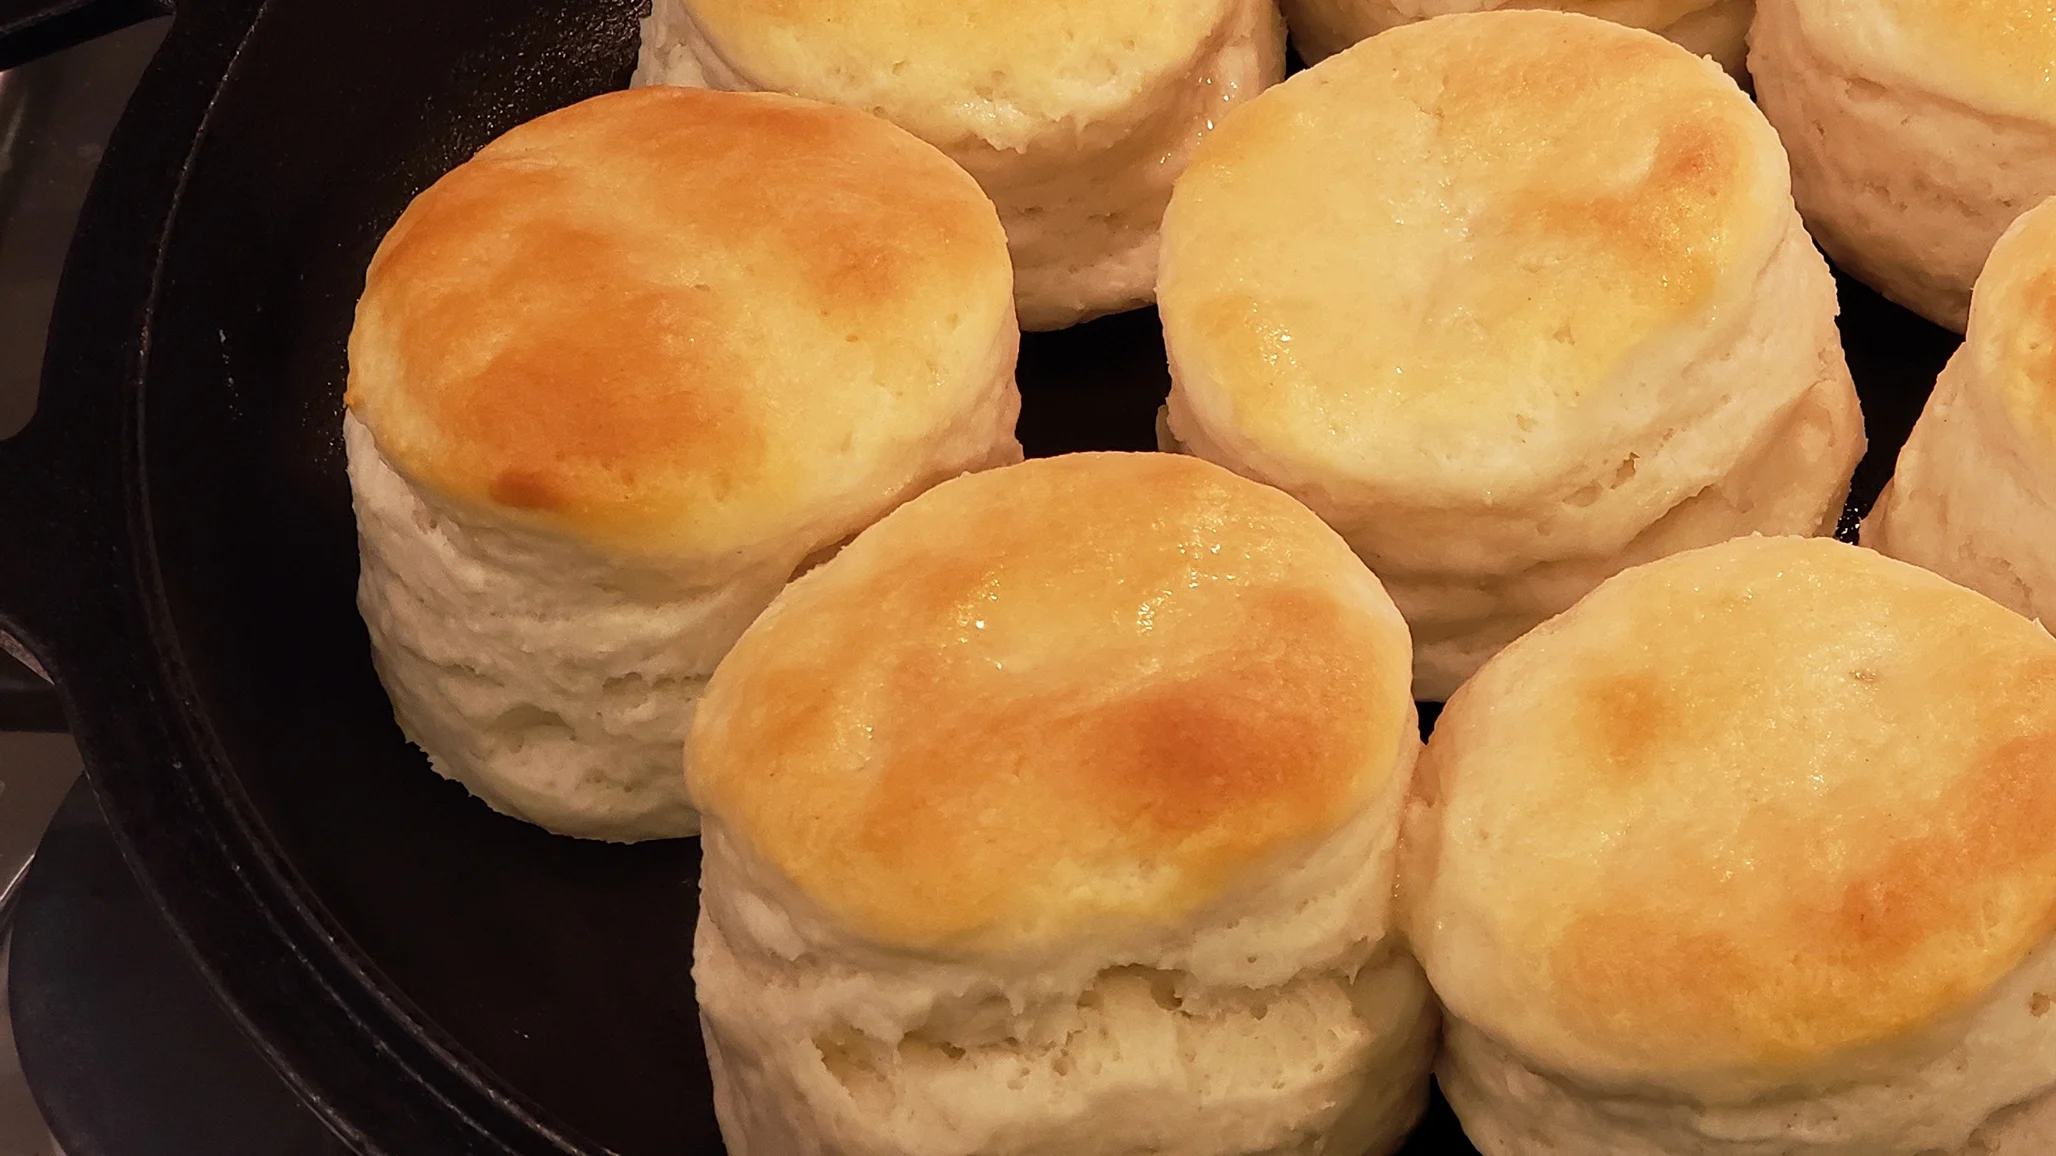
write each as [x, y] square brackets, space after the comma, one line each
[93, 610]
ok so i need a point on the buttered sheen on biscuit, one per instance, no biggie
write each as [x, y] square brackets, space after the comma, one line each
[1074, 115]
[1513, 300]
[1974, 495]
[1057, 813]
[1919, 130]
[1715, 28]
[612, 381]
[1748, 853]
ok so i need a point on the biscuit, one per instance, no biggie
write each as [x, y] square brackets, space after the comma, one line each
[1748, 852]
[1057, 813]
[1514, 300]
[612, 382]
[1918, 131]
[1074, 115]
[1974, 494]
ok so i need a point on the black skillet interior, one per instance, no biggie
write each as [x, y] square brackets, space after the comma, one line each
[559, 967]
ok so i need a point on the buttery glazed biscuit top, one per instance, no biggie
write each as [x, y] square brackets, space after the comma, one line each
[1737, 812]
[1998, 55]
[1426, 260]
[1002, 71]
[672, 321]
[2012, 338]
[1081, 692]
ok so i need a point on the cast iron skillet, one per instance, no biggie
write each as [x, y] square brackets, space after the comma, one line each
[180, 556]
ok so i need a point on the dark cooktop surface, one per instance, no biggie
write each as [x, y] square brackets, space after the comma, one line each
[126, 1049]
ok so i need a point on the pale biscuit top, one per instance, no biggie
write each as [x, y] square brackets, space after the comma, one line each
[2012, 338]
[1426, 261]
[1738, 813]
[1001, 71]
[1080, 694]
[1998, 55]
[676, 322]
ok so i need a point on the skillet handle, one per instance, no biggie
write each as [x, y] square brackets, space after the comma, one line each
[38, 532]
[47, 537]
[33, 28]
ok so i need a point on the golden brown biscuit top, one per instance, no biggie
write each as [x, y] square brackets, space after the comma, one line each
[672, 321]
[2012, 336]
[1078, 693]
[1998, 55]
[994, 70]
[1427, 259]
[1738, 812]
